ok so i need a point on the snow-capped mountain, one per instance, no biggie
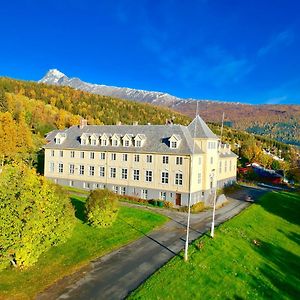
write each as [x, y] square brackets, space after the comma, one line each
[56, 77]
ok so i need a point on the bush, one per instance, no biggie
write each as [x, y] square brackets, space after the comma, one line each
[168, 204]
[101, 208]
[197, 207]
[35, 215]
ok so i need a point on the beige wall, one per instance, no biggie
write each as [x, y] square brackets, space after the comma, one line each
[156, 166]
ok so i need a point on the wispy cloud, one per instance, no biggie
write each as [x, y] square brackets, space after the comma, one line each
[282, 39]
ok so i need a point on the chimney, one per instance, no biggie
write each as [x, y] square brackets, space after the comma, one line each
[83, 122]
[135, 123]
[118, 123]
[148, 123]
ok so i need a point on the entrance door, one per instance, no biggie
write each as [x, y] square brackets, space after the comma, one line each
[178, 199]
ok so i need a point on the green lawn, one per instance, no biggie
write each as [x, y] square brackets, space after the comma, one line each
[231, 266]
[86, 244]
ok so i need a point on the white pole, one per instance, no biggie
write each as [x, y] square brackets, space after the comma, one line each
[187, 230]
[189, 200]
[212, 232]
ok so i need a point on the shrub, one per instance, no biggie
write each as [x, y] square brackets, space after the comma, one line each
[197, 207]
[101, 208]
[35, 215]
[168, 204]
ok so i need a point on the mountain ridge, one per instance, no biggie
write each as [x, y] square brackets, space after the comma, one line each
[281, 122]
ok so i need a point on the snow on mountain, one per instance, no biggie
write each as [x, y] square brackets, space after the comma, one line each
[56, 77]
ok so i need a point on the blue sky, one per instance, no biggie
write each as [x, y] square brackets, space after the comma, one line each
[246, 51]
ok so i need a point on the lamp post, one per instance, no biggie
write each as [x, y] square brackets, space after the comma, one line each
[214, 207]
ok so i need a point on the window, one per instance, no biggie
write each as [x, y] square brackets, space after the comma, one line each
[199, 178]
[92, 155]
[71, 183]
[61, 153]
[178, 178]
[71, 168]
[102, 156]
[225, 166]
[115, 142]
[51, 167]
[211, 160]
[163, 195]
[81, 154]
[113, 172]
[115, 189]
[125, 157]
[52, 153]
[164, 177]
[104, 142]
[199, 161]
[144, 194]
[92, 171]
[138, 143]
[60, 168]
[113, 156]
[220, 167]
[102, 171]
[81, 170]
[86, 185]
[123, 190]
[126, 143]
[124, 174]
[149, 158]
[136, 158]
[72, 154]
[94, 142]
[149, 176]
[165, 159]
[230, 165]
[179, 160]
[136, 174]
[173, 144]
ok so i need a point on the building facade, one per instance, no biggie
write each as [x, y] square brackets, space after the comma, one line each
[167, 162]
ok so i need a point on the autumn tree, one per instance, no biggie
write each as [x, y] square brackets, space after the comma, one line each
[35, 215]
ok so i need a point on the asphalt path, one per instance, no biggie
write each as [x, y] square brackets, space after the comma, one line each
[115, 275]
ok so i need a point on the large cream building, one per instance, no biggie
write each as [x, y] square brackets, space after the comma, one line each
[167, 162]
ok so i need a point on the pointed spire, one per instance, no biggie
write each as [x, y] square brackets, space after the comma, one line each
[199, 129]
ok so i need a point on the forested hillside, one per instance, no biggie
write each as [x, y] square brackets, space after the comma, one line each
[29, 110]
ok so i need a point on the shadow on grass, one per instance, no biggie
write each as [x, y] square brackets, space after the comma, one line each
[79, 208]
[281, 272]
[286, 207]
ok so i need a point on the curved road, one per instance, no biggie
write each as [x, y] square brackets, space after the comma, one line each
[115, 275]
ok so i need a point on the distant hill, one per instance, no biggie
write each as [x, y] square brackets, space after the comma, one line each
[281, 122]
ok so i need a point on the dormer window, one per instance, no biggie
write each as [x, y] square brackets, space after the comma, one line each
[126, 143]
[139, 140]
[60, 137]
[94, 142]
[94, 139]
[84, 139]
[174, 140]
[104, 140]
[127, 140]
[114, 142]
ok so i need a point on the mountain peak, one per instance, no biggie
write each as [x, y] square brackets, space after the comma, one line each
[52, 76]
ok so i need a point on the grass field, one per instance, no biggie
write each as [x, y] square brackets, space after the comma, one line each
[86, 244]
[256, 255]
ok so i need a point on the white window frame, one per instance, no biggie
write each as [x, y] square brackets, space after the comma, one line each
[92, 171]
[101, 171]
[92, 155]
[113, 156]
[148, 175]
[179, 160]
[178, 178]
[102, 156]
[51, 167]
[124, 174]
[71, 169]
[113, 172]
[72, 153]
[136, 174]
[163, 196]
[136, 157]
[60, 167]
[144, 194]
[165, 159]
[149, 158]
[165, 177]
[81, 170]
[125, 157]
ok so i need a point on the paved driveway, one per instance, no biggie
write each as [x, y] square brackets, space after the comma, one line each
[115, 275]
